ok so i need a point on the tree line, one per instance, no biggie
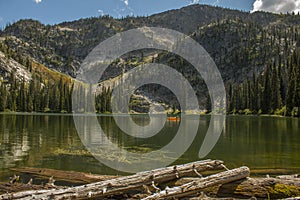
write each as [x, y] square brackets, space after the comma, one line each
[275, 91]
[40, 95]
[37, 95]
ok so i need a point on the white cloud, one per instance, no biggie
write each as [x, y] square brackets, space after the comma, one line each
[37, 1]
[277, 6]
[124, 10]
[194, 2]
[126, 2]
[101, 12]
[216, 2]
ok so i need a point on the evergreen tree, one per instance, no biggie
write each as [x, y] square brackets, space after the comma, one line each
[3, 95]
[265, 104]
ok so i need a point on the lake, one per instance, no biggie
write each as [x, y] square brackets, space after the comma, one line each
[52, 141]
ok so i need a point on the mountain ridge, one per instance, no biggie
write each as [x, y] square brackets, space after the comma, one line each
[241, 43]
[82, 35]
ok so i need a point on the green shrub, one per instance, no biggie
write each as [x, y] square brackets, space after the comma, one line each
[248, 112]
[47, 110]
[295, 112]
[281, 111]
[241, 112]
[259, 112]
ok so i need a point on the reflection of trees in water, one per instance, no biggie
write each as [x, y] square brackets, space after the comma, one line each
[26, 139]
[115, 135]
[14, 141]
[262, 141]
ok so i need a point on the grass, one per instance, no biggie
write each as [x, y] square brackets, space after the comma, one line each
[49, 74]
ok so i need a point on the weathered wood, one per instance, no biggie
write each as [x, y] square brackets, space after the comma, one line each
[17, 187]
[196, 187]
[121, 184]
[14, 186]
[290, 177]
[65, 176]
[264, 188]
[282, 186]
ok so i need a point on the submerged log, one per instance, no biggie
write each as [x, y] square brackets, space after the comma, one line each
[196, 187]
[64, 176]
[122, 184]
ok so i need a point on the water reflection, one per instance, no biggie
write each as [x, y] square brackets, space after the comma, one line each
[112, 149]
[261, 142]
[14, 142]
[51, 141]
[26, 139]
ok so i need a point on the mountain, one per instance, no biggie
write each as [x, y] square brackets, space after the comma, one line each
[62, 47]
[241, 44]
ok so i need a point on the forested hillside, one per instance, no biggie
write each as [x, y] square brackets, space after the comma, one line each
[258, 55]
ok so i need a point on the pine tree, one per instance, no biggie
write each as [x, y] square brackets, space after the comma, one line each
[12, 100]
[3, 95]
[265, 104]
[254, 94]
[61, 95]
[21, 103]
[30, 96]
[275, 98]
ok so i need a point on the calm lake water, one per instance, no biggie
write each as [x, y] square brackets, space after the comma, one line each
[51, 141]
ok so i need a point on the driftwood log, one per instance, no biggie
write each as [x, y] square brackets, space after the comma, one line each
[18, 187]
[69, 177]
[122, 184]
[264, 188]
[196, 187]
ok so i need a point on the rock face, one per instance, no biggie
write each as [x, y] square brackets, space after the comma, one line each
[9, 66]
[240, 43]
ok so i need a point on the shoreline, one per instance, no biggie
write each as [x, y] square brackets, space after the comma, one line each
[211, 178]
[137, 114]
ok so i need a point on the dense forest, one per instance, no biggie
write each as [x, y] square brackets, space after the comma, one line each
[42, 94]
[275, 91]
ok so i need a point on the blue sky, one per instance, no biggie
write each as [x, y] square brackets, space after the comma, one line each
[56, 11]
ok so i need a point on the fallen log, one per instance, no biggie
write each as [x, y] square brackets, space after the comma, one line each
[290, 177]
[284, 186]
[196, 187]
[13, 186]
[122, 184]
[17, 187]
[70, 177]
[265, 188]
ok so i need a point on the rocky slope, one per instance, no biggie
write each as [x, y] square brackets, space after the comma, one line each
[9, 66]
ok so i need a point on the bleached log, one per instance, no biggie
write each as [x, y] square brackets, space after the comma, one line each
[284, 186]
[121, 185]
[263, 188]
[71, 177]
[196, 187]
